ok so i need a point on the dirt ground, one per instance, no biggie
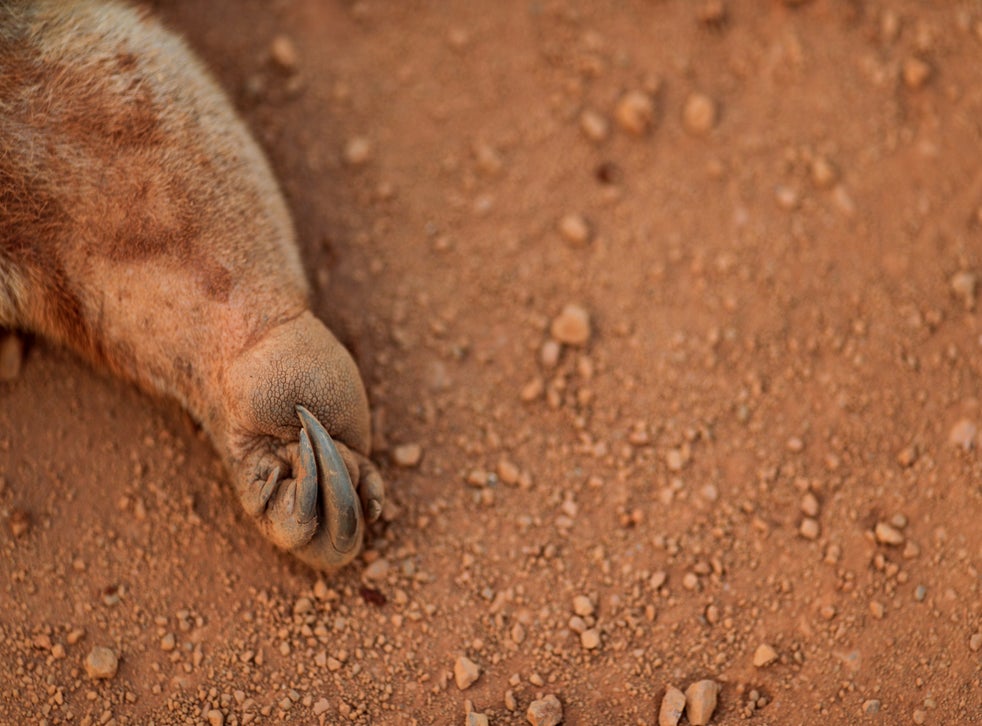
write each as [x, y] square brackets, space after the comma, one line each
[748, 455]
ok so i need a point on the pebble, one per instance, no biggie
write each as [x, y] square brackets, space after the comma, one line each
[283, 53]
[546, 711]
[635, 112]
[975, 642]
[357, 151]
[574, 229]
[919, 716]
[699, 114]
[700, 701]
[810, 528]
[465, 672]
[215, 718]
[549, 354]
[871, 706]
[168, 643]
[590, 639]
[764, 655]
[809, 505]
[963, 434]
[571, 326]
[888, 534]
[964, 285]
[582, 605]
[476, 719]
[823, 173]
[11, 357]
[377, 570]
[672, 706]
[321, 706]
[916, 73]
[101, 663]
[407, 455]
[787, 197]
[594, 126]
[20, 522]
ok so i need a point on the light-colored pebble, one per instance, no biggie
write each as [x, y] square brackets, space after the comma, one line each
[322, 705]
[477, 719]
[168, 643]
[465, 672]
[546, 711]
[594, 126]
[810, 528]
[571, 326]
[699, 114]
[700, 701]
[376, 570]
[574, 229]
[764, 655]
[357, 151]
[407, 455]
[975, 642]
[582, 605]
[871, 706]
[809, 505]
[101, 663]
[215, 718]
[964, 285]
[283, 53]
[635, 112]
[672, 707]
[963, 434]
[877, 610]
[888, 534]
[590, 639]
[11, 357]
[823, 173]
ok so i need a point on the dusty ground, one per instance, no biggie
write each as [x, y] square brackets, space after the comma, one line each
[778, 361]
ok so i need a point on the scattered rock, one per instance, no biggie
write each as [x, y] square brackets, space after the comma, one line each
[571, 326]
[672, 706]
[590, 639]
[823, 173]
[407, 455]
[574, 229]
[594, 126]
[377, 570]
[20, 522]
[712, 13]
[547, 711]
[916, 73]
[700, 701]
[215, 717]
[465, 672]
[101, 663]
[963, 285]
[635, 112]
[963, 434]
[11, 357]
[321, 706]
[476, 719]
[764, 655]
[871, 706]
[582, 605]
[357, 151]
[283, 53]
[888, 534]
[975, 642]
[699, 114]
[810, 528]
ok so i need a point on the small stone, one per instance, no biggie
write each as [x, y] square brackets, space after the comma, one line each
[20, 522]
[810, 528]
[919, 716]
[476, 719]
[582, 605]
[764, 655]
[302, 606]
[377, 570]
[357, 151]
[700, 701]
[465, 672]
[823, 173]
[574, 229]
[547, 711]
[809, 505]
[594, 126]
[508, 472]
[888, 534]
[877, 610]
[916, 73]
[963, 434]
[321, 706]
[215, 718]
[699, 114]
[283, 53]
[712, 13]
[975, 642]
[635, 112]
[963, 285]
[101, 663]
[590, 639]
[907, 456]
[672, 706]
[11, 357]
[871, 706]
[407, 455]
[787, 197]
[168, 643]
[549, 354]
[571, 326]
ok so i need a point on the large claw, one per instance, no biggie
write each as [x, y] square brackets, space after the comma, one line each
[321, 467]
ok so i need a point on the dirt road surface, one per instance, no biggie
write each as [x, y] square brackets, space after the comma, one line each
[669, 318]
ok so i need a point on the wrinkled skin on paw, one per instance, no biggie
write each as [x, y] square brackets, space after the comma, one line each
[297, 442]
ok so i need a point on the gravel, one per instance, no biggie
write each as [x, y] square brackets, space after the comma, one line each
[700, 701]
[571, 326]
[635, 112]
[574, 229]
[101, 663]
[465, 672]
[547, 711]
[407, 456]
[764, 655]
[699, 114]
[672, 707]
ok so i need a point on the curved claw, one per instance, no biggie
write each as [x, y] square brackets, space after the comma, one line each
[342, 510]
[306, 476]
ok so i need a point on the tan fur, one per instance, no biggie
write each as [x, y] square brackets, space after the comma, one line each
[140, 225]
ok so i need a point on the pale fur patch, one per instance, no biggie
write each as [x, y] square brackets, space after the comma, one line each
[12, 293]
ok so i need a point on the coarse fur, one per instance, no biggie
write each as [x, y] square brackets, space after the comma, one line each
[141, 226]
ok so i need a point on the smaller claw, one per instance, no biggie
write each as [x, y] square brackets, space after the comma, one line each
[306, 476]
[269, 487]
